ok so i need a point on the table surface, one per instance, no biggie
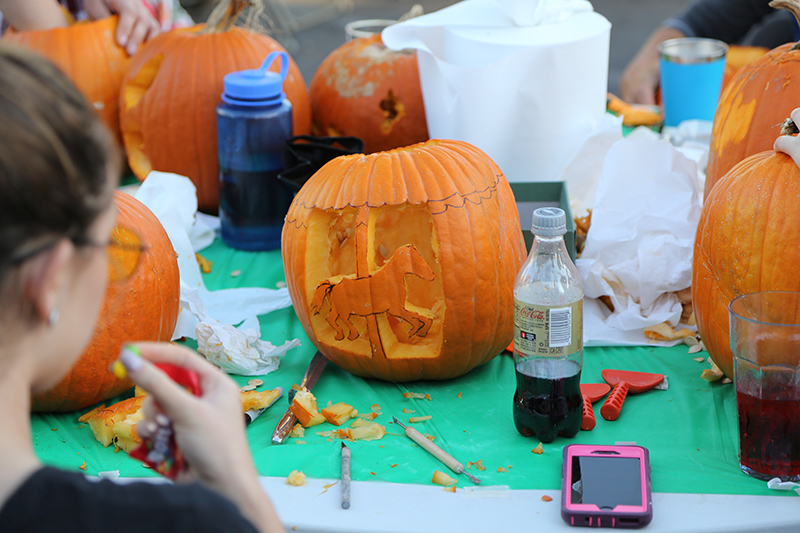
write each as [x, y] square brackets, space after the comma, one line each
[690, 430]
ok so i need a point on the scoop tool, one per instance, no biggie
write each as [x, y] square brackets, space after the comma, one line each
[591, 393]
[435, 451]
[625, 381]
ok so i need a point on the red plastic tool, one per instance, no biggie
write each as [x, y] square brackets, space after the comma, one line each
[625, 381]
[591, 393]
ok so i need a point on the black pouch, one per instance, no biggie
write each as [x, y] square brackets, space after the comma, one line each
[303, 155]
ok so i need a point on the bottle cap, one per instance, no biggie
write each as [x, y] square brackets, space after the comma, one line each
[549, 222]
[259, 86]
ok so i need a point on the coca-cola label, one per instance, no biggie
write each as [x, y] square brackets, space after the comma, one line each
[548, 330]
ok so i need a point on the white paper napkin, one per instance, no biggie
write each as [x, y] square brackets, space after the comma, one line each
[210, 316]
[640, 243]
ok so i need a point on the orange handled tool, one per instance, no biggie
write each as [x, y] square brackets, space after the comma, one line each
[591, 393]
[625, 381]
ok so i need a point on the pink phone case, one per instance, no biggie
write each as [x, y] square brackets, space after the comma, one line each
[610, 483]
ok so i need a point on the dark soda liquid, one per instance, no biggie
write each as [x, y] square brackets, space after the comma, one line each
[769, 436]
[548, 399]
[252, 206]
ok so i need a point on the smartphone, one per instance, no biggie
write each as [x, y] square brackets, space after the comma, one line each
[606, 486]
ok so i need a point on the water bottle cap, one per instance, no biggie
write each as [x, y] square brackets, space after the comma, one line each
[549, 222]
[257, 86]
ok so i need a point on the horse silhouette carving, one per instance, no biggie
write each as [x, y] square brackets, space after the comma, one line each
[384, 291]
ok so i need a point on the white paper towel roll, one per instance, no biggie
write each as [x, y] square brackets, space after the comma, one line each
[528, 96]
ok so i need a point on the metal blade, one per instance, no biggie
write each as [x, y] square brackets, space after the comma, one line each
[287, 421]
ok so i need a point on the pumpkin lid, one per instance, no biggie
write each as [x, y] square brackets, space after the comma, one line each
[257, 87]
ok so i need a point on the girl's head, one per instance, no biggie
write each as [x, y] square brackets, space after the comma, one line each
[58, 167]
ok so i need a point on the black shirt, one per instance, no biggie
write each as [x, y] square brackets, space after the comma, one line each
[727, 20]
[57, 500]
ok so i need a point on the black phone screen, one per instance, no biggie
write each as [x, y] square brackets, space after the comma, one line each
[606, 481]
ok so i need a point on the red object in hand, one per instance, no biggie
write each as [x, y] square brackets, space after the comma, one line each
[159, 451]
[625, 381]
[591, 393]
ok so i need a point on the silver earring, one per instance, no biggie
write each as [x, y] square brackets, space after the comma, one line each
[52, 317]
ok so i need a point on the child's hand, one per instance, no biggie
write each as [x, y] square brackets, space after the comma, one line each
[209, 429]
[789, 144]
[136, 23]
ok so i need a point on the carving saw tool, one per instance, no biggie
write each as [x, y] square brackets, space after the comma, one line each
[434, 450]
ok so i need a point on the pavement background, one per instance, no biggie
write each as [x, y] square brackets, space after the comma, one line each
[631, 20]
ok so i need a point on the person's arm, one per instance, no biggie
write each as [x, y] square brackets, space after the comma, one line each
[725, 20]
[33, 14]
[209, 430]
[136, 23]
[640, 79]
[790, 144]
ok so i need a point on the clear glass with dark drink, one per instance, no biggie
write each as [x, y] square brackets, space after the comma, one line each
[765, 341]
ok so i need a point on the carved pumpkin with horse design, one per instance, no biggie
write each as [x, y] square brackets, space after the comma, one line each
[401, 264]
[371, 291]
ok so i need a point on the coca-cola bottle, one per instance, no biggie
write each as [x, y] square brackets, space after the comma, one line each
[548, 334]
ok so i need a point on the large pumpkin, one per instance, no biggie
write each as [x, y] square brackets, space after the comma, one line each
[754, 103]
[366, 90]
[88, 53]
[747, 240]
[142, 308]
[170, 93]
[401, 264]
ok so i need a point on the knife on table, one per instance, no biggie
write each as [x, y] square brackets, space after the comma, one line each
[315, 368]
[251, 415]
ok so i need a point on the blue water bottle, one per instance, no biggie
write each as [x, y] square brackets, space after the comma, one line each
[254, 120]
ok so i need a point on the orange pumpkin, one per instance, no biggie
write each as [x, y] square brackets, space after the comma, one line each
[171, 90]
[739, 56]
[88, 53]
[748, 233]
[366, 90]
[401, 264]
[142, 308]
[755, 100]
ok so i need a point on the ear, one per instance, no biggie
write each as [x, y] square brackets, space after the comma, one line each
[45, 278]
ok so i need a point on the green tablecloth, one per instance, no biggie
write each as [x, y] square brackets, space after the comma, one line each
[689, 429]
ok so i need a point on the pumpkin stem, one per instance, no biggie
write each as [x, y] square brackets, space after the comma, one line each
[790, 5]
[789, 127]
[227, 12]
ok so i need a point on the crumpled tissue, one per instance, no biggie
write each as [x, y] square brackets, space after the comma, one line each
[776, 484]
[639, 246]
[235, 350]
[523, 80]
[583, 171]
[209, 316]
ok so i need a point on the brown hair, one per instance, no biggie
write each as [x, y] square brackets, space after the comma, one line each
[55, 158]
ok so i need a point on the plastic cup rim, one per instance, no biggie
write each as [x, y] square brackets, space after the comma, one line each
[739, 316]
[355, 29]
[716, 50]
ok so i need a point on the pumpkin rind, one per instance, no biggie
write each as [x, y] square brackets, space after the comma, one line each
[142, 308]
[748, 233]
[445, 202]
[169, 95]
[88, 53]
[757, 99]
[366, 90]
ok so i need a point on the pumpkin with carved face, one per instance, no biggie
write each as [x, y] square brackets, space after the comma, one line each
[401, 264]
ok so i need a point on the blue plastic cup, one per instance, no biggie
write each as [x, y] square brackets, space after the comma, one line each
[691, 78]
